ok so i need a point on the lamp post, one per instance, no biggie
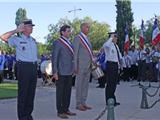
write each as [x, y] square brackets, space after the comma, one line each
[74, 11]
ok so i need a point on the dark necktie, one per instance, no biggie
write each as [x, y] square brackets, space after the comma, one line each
[117, 53]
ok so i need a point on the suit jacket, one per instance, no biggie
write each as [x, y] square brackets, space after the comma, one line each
[82, 58]
[62, 59]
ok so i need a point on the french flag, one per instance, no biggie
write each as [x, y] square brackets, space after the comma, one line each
[141, 36]
[155, 33]
[127, 42]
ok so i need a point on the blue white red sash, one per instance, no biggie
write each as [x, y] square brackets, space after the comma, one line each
[86, 44]
[66, 44]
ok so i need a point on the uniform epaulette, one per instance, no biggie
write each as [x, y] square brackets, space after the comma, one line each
[33, 39]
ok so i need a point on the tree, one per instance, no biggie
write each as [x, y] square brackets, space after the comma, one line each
[135, 36]
[21, 15]
[97, 35]
[5, 47]
[124, 16]
[42, 49]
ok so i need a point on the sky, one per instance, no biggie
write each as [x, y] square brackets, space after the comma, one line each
[45, 12]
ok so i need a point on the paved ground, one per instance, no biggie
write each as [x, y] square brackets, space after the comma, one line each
[129, 97]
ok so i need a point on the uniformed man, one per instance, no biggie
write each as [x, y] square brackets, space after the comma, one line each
[141, 64]
[113, 60]
[26, 56]
[2, 61]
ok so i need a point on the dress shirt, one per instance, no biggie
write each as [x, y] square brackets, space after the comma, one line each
[26, 48]
[111, 52]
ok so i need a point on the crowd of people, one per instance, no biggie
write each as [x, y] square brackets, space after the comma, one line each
[137, 64]
[73, 60]
[7, 66]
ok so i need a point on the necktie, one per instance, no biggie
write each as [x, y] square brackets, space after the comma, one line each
[117, 53]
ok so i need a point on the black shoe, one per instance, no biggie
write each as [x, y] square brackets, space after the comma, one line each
[100, 87]
[62, 115]
[70, 113]
[116, 104]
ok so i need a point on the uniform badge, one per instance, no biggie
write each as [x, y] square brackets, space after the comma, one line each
[112, 51]
[23, 48]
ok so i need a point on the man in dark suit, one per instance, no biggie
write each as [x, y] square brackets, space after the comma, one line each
[63, 69]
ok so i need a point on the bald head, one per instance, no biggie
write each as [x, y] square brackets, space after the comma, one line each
[85, 28]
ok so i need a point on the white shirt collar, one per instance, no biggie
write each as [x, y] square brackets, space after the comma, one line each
[68, 40]
[24, 36]
[83, 34]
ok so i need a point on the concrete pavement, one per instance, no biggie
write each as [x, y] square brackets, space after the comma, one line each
[129, 97]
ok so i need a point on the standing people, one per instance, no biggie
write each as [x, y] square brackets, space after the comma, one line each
[2, 61]
[113, 60]
[83, 60]
[63, 68]
[126, 60]
[141, 64]
[26, 56]
[134, 65]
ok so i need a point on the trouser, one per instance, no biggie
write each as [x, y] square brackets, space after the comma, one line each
[141, 70]
[1, 76]
[149, 72]
[134, 72]
[102, 80]
[82, 84]
[155, 72]
[126, 74]
[10, 73]
[15, 71]
[63, 93]
[27, 79]
[111, 79]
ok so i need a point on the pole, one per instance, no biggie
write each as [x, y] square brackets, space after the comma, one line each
[74, 11]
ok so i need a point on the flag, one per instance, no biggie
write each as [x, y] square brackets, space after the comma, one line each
[127, 42]
[141, 36]
[155, 33]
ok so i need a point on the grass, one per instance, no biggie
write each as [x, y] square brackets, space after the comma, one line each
[8, 90]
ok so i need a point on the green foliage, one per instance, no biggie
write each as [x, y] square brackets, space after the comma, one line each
[8, 90]
[43, 49]
[124, 16]
[98, 31]
[135, 36]
[5, 47]
[20, 16]
[98, 34]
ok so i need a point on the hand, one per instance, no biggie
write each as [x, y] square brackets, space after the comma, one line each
[75, 71]
[20, 28]
[55, 76]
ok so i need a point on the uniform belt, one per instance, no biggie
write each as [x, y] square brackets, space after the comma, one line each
[112, 62]
[25, 62]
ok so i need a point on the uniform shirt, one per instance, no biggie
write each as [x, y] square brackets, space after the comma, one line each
[134, 56]
[141, 55]
[148, 58]
[126, 61]
[157, 55]
[111, 51]
[26, 48]
[2, 61]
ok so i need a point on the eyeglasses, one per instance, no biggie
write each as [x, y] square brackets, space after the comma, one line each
[115, 36]
[68, 31]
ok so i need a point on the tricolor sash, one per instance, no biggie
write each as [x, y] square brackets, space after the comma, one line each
[86, 44]
[67, 44]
